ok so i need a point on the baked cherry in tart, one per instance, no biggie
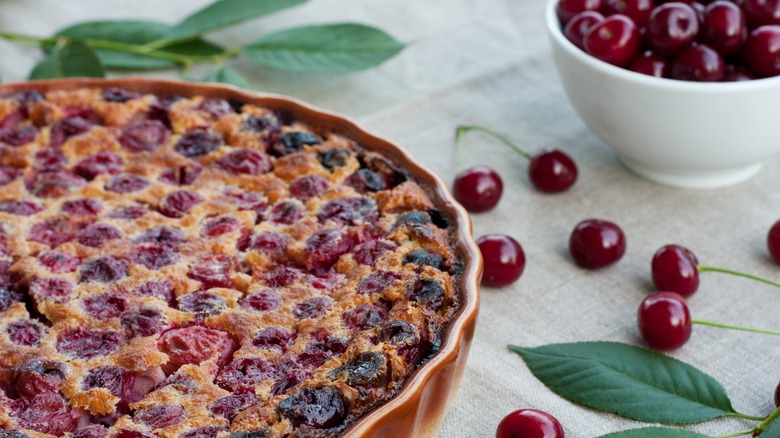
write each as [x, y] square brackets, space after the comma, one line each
[193, 267]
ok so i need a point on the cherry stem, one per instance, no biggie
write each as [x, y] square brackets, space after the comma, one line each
[734, 327]
[764, 424]
[738, 274]
[461, 131]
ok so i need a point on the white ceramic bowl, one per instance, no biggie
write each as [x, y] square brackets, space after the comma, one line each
[684, 134]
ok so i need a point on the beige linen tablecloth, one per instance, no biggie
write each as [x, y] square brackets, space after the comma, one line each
[489, 62]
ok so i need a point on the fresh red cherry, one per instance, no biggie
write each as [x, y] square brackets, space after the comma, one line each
[529, 423]
[504, 260]
[724, 28]
[762, 51]
[478, 188]
[552, 171]
[567, 9]
[615, 40]
[777, 395]
[698, 63]
[664, 321]
[637, 10]
[579, 25]
[596, 243]
[671, 27]
[675, 269]
[738, 73]
[773, 241]
[762, 12]
[648, 63]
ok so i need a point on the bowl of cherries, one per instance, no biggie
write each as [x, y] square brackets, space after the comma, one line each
[686, 92]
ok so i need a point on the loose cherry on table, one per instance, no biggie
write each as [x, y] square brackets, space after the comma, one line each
[529, 423]
[676, 269]
[665, 321]
[777, 395]
[504, 259]
[550, 170]
[596, 243]
[478, 188]
[773, 241]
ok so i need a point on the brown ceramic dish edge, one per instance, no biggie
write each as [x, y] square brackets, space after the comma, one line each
[419, 407]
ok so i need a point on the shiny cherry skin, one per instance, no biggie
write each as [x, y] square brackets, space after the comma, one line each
[761, 12]
[648, 63]
[664, 321]
[698, 63]
[777, 395]
[579, 25]
[567, 9]
[595, 243]
[478, 188]
[637, 10]
[671, 27]
[529, 423]
[675, 269]
[552, 171]
[762, 51]
[615, 40]
[504, 260]
[725, 29]
[773, 241]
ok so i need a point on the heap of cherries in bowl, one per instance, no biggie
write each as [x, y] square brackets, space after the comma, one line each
[701, 41]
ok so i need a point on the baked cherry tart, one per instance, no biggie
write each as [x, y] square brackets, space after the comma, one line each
[193, 267]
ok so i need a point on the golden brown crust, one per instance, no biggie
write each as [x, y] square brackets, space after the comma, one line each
[306, 233]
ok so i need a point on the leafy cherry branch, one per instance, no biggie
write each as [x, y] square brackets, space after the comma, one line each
[90, 49]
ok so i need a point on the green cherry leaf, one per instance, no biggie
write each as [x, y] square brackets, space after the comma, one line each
[629, 381]
[654, 432]
[137, 32]
[223, 13]
[226, 75]
[772, 431]
[330, 48]
[71, 59]
[122, 31]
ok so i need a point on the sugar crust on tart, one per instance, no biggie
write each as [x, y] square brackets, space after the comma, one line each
[190, 267]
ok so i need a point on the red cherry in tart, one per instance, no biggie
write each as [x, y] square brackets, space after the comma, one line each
[671, 27]
[567, 9]
[637, 10]
[675, 269]
[773, 241]
[578, 26]
[615, 40]
[504, 260]
[698, 63]
[724, 28]
[529, 423]
[762, 51]
[596, 243]
[552, 171]
[664, 321]
[478, 188]
[648, 63]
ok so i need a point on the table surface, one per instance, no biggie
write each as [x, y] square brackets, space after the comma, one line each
[489, 62]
